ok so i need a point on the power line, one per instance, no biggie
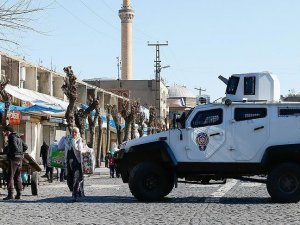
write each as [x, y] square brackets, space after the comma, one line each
[83, 22]
[105, 3]
[101, 18]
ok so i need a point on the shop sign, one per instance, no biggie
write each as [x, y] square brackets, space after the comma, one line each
[14, 117]
[26, 118]
[55, 120]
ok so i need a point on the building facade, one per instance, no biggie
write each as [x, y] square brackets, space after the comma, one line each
[32, 84]
[148, 92]
[180, 100]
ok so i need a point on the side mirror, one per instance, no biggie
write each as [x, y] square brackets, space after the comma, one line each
[181, 120]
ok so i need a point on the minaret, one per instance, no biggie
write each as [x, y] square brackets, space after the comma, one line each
[126, 15]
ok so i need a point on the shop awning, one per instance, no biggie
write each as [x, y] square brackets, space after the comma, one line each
[111, 122]
[38, 102]
[37, 108]
[11, 107]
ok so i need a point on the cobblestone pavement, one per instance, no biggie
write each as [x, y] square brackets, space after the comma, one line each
[109, 201]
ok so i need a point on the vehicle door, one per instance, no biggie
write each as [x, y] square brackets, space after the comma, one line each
[250, 131]
[205, 133]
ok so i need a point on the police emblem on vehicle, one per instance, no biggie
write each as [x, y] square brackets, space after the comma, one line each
[202, 140]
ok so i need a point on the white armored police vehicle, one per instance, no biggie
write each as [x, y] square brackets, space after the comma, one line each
[251, 135]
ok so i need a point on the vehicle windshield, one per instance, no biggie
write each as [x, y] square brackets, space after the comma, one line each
[189, 113]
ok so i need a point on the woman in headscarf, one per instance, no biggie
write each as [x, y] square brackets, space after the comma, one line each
[73, 147]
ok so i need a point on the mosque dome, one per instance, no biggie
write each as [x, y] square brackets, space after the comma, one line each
[178, 91]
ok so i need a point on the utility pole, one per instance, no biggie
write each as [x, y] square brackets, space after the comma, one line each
[157, 74]
[157, 58]
[200, 89]
[202, 99]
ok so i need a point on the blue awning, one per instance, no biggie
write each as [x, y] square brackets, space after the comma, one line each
[111, 122]
[11, 107]
[34, 108]
[37, 108]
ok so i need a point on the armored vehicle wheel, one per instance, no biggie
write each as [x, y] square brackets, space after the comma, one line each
[169, 185]
[34, 183]
[283, 183]
[148, 182]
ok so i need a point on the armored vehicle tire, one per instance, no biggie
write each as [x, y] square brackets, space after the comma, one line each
[34, 183]
[148, 182]
[283, 183]
[169, 185]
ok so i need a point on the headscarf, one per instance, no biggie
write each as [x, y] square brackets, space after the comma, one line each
[76, 138]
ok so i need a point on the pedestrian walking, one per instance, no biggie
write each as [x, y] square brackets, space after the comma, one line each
[111, 165]
[117, 166]
[106, 159]
[15, 148]
[73, 146]
[62, 175]
[44, 153]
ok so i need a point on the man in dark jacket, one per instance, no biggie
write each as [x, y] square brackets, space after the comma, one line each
[44, 154]
[14, 156]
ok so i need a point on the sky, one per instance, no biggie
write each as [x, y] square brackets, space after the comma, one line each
[206, 38]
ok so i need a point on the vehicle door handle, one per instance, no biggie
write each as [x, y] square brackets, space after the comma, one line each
[258, 128]
[215, 134]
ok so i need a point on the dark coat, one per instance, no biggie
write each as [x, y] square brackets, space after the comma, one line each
[44, 151]
[15, 146]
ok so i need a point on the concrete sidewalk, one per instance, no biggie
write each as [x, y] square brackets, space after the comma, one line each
[101, 171]
[98, 171]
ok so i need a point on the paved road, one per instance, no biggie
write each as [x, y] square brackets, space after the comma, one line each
[109, 201]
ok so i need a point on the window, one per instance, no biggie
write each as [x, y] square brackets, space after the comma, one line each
[208, 118]
[232, 85]
[288, 112]
[249, 85]
[241, 114]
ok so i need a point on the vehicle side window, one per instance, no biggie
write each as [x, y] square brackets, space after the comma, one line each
[285, 112]
[249, 86]
[207, 118]
[232, 85]
[241, 114]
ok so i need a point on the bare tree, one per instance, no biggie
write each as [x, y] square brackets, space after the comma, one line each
[140, 120]
[108, 114]
[81, 115]
[73, 114]
[152, 121]
[117, 119]
[6, 98]
[94, 103]
[125, 112]
[99, 154]
[135, 109]
[129, 112]
[70, 90]
[16, 16]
